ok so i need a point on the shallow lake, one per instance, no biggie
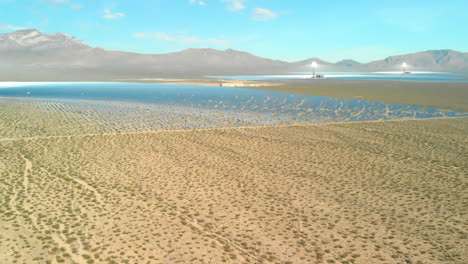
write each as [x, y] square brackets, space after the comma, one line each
[138, 106]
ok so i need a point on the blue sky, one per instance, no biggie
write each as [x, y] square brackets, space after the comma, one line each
[363, 30]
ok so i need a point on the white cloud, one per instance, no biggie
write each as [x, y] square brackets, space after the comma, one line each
[235, 5]
[262, 14]
[181, 37]
[7, 27]
[140, 35]
[163, 36]
[109, 15]
[60, 2]
[195, 2]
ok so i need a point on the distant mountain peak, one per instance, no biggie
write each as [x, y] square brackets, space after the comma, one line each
[309, 61]
[234, 51]
[348, 61]
[35, 39]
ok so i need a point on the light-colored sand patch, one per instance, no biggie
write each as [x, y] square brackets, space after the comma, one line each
[26, 173]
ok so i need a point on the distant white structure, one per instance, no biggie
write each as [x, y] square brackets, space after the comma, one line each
[314, 66]
[404, 66]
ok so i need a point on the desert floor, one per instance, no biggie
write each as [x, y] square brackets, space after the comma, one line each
[370, 192]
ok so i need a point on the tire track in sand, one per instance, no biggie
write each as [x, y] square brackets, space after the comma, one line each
[26, 173]
[88, 187]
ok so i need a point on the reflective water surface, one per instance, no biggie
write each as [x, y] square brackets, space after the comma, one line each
[117, 107]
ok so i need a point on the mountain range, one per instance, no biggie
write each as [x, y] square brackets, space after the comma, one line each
[30, 55]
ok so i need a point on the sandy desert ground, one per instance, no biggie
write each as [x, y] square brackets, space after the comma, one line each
[370, 192]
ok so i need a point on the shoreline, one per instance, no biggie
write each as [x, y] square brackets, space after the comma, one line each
[232, 128]
[440, 95]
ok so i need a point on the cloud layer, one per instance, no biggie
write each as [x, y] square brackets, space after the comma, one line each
[195, 2]
[109, 15]
[262, 14]
[7, 27]
[235, 5]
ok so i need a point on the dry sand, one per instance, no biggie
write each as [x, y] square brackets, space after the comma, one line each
[370, 192]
